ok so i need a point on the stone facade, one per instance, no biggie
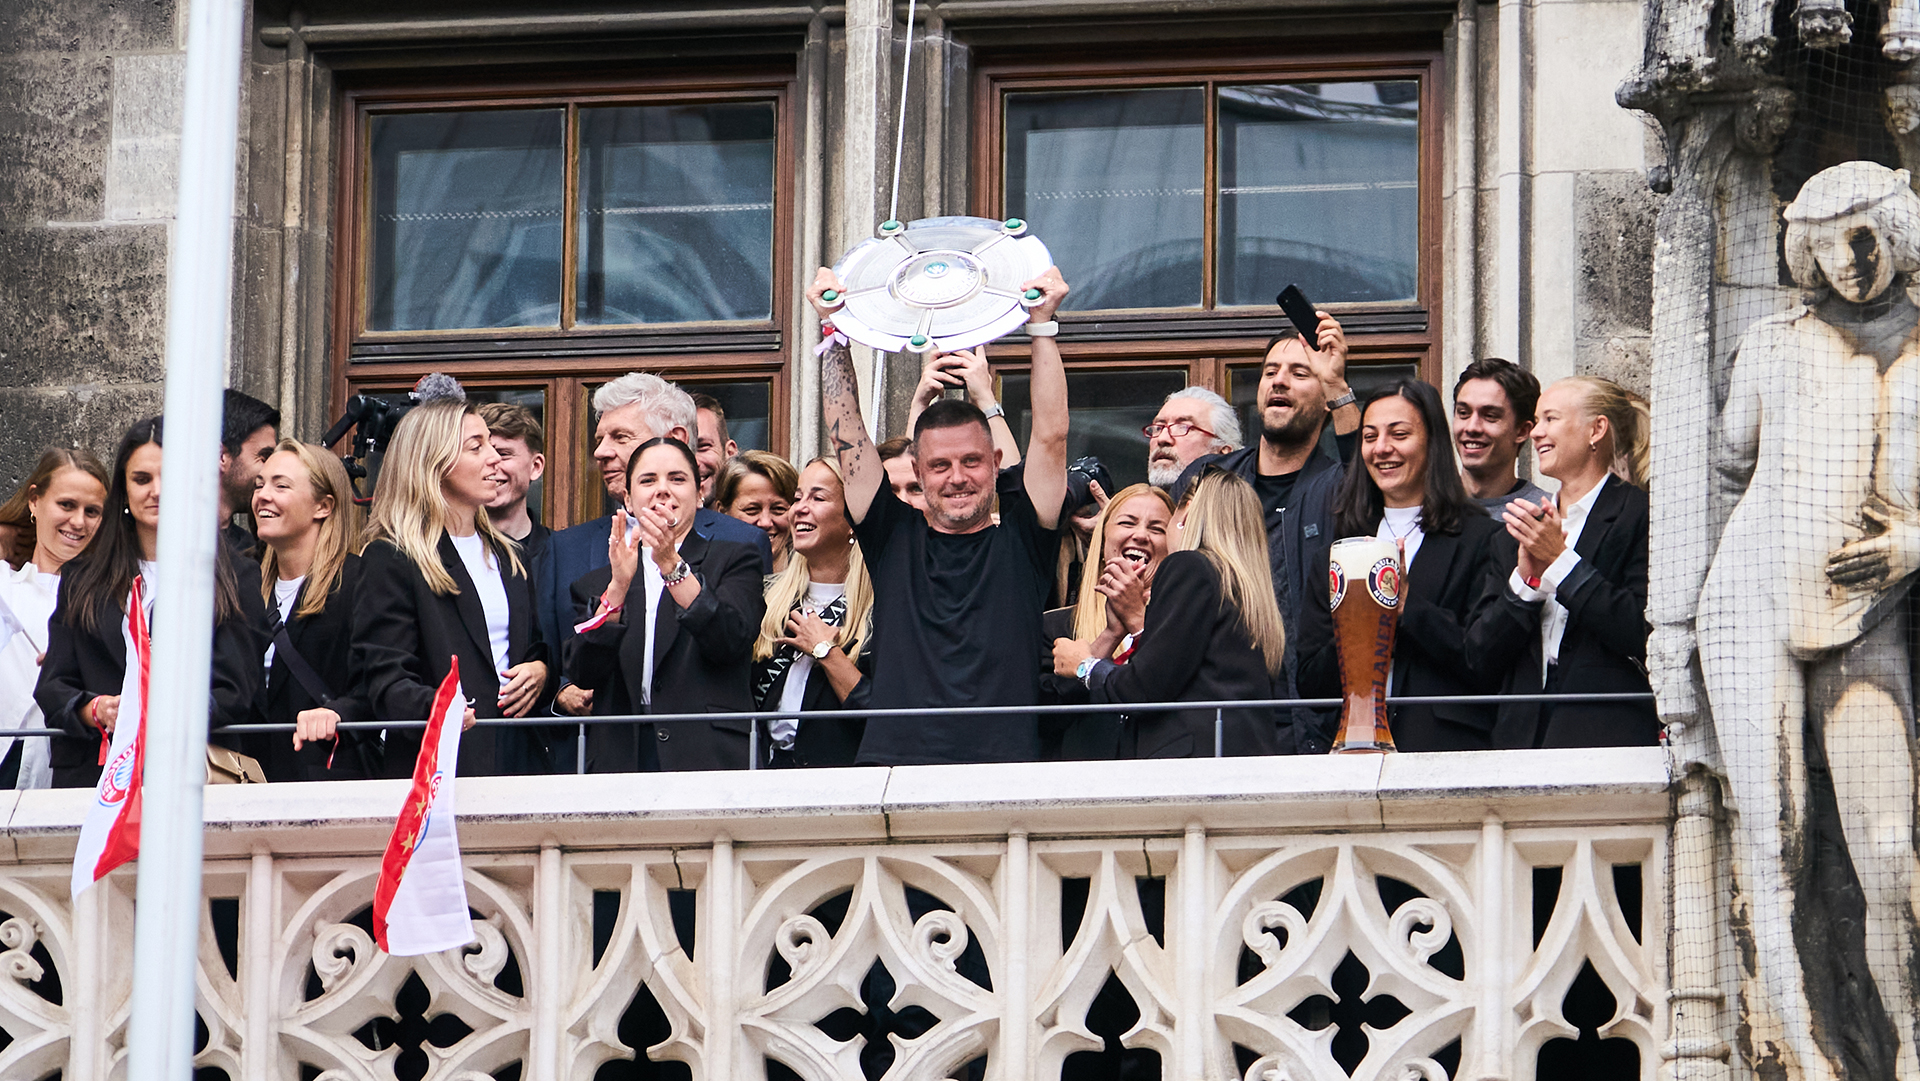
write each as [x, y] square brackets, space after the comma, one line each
[1545, 234]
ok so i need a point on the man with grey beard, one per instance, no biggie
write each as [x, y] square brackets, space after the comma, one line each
[1193, 422]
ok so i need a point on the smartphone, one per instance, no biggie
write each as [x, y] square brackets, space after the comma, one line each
[1301, 313]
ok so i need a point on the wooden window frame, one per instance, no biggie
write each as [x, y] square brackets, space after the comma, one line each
[567, 359]
[1213, 339]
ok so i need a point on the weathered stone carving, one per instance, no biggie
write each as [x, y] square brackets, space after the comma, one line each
[1801, 625]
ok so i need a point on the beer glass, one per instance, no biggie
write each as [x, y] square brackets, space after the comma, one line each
[1366, 579]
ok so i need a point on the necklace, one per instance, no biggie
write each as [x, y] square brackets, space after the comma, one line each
[1412, 524]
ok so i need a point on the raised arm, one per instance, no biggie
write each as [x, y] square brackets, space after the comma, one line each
[1046, 472]
[968, 368]
[840, 412]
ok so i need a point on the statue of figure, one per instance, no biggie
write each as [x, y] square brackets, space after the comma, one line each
[1802, 626]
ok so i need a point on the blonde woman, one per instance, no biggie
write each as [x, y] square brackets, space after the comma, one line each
[308, 527]
[1134, 528]
[58, 507]
[812, 650]
[758, 488]
[439, 580]
[1211, 631]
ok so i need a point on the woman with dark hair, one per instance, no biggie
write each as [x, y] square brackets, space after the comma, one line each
[439, 580]
[667, 626]
[1403, 488]
[79, 688]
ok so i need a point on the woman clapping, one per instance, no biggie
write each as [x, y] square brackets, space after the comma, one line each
[817, 631]
[668, 626]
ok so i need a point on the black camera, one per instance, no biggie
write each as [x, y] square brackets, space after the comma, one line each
[372, 421]
[1081, 475]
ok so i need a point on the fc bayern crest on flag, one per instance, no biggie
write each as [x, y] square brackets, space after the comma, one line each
[110, 836]
[420, 901]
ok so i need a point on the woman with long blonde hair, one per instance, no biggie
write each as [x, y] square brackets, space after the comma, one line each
[439, 581]
[812, 653]
[1135, 531]
[309, 527]
[1211, 631]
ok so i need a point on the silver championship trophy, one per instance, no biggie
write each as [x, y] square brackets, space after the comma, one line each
[937, 284]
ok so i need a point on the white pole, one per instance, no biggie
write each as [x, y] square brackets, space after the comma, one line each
[166, 925]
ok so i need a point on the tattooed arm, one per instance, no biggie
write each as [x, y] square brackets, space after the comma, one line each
[840, 413]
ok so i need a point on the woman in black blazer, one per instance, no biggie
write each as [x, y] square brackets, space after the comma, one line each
[439, 581]
[1403, 487]
[1211, 632]
[307, 523]
[695, 654]
[81, 679]
[1582, 605]
[818, 629]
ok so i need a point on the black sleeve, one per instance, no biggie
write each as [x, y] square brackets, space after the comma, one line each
[725, 618]
[1175, 635]
[1345, 444]
[1438, 633]
[884, 516]
[62, 693]
[238, 694]
[594, 656]
[1316, 658]
[1613, 612]
[349, 698]
[386, 637]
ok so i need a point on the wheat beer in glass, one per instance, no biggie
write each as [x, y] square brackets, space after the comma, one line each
[1366, 579]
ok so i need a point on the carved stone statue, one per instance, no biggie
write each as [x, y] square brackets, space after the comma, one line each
[1803, 629]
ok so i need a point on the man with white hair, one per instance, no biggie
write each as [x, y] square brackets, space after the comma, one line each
[1192, 423]
[634, 408]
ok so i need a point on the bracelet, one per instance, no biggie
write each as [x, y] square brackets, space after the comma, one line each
[993, 411]
[1048, 329]
[679, 574]
[92, 711]
[610, 607]
[1533, 582]
[1342, 401]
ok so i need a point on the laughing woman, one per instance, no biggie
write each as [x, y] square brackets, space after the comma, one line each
[668, 626]
[1403, 488]
[439, 581]
[80, 682]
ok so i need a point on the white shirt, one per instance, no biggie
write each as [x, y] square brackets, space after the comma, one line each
[1402, 523]
[656, 584]
[1553, 615]
[31, 595]
[485, 572]
[285, 592]
[783, 731]
[149, 587]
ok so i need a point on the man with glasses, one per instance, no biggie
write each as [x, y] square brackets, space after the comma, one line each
[1193, 422]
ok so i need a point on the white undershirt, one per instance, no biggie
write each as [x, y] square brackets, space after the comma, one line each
[656, 584]
[285, 592]
[149, 586]
[1402, 523]
[1553, 614]
[783, 731]
[485, 573]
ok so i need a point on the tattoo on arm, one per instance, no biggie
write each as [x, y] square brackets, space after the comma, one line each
[840, 409]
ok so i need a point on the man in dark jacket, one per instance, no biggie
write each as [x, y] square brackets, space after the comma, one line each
[1301, 389]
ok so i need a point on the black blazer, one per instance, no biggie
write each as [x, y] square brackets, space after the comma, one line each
[404, 634]
[1192, 648]
[1071, 737]
[828, 735]
[82, 665]
[1452, 579]
[325, 640]
[702, 663]
[1605, 646]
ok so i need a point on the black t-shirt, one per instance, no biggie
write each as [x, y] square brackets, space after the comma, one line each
[1274, 492]
[956, 622]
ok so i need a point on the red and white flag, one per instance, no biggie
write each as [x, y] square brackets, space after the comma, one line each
[420, 903]
[111, 834]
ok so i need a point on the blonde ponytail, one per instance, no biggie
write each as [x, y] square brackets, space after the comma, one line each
[1628, 422]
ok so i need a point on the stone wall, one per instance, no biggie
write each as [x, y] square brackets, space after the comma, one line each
[89, 132]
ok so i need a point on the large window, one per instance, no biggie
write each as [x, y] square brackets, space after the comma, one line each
[1179, 195]
[535, 238]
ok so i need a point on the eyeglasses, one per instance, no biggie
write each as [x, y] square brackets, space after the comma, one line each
[1179, 429]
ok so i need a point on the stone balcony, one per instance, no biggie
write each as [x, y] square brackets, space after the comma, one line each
[1412, 916]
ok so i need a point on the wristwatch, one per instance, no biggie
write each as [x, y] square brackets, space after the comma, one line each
[993, 411]
[1084, 669]
[1341, 402]
[680, 572]
[821, 649]
[1048, 329]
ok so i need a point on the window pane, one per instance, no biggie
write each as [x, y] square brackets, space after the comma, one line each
[1243, 387]
[467, 220]
[747, 403]
[1113, 182]
[1108, 411]
[676, 213]
[1319, 186]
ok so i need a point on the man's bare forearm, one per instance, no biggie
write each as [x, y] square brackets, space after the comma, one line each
[847, 430]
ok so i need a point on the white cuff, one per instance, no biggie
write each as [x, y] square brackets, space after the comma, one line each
[1526, 592]
[1558, 570]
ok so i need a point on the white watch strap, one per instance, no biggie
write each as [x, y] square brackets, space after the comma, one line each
[994, 410]
[1048, 329]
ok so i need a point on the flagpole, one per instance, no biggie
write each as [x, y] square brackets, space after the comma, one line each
[199, 304]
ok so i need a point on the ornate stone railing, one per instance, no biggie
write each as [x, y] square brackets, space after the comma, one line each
[1266, 918]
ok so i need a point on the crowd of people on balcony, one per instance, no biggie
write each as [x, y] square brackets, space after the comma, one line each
[947, 570]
